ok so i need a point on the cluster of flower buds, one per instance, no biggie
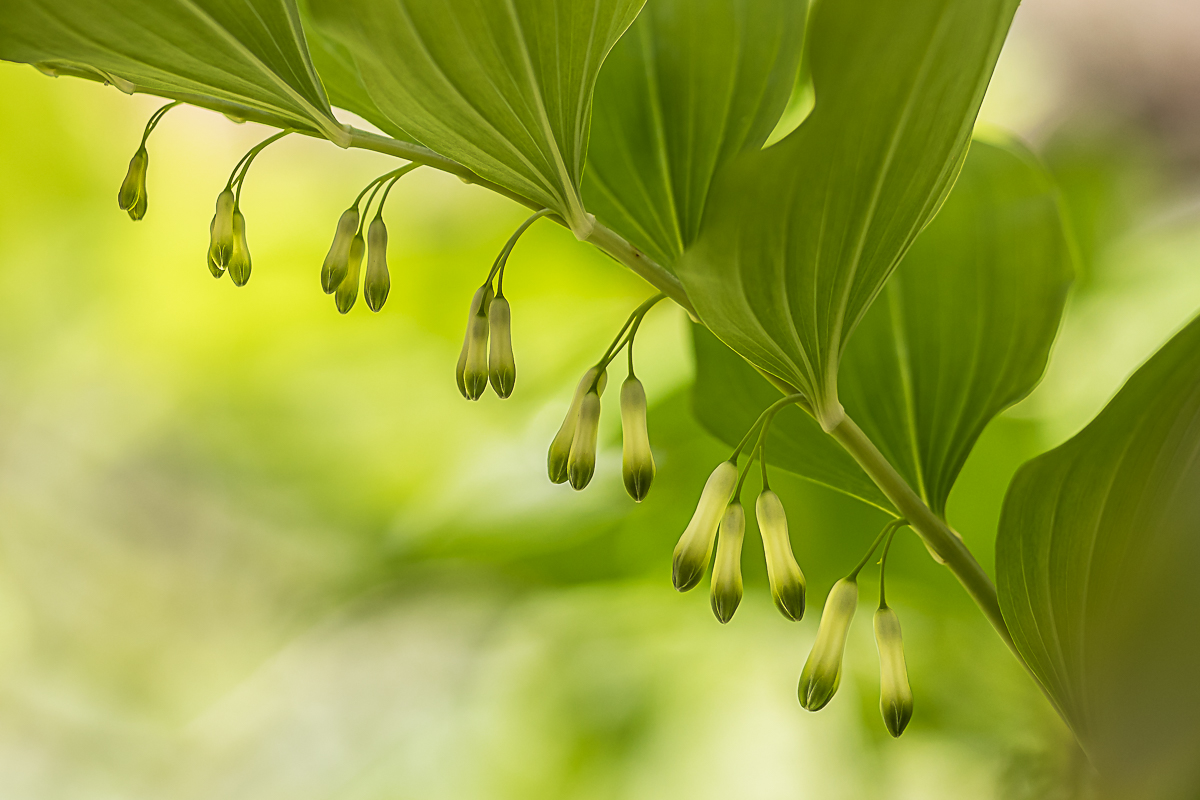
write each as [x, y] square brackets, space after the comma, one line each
[572, 453]
[131, 197]
[720, 519]
[822, 671]
[340, 272]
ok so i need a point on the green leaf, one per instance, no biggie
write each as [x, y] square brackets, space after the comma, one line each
[962, 330]
[502, 87]
[798, 239]
[250, 54]
[692, 84]
[1097, 563]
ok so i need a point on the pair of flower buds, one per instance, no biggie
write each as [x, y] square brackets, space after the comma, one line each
[572, 454]
[228, 250]
[487, 353]
[822, 672]
[719, 511]
[341, 268]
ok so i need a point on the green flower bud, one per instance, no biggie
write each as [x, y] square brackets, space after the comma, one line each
[475, 369]
[216, 269]
[337, 260]
[560, 448]
[502, 365]
[823, 671]
[377, 282]
[132, 196]
[582, 461]
[239, 258]
[481, 300]
[220, 243]
[347, 290]
[726, 590]
[695, 546]
[895, 695]
[637, 462]
[787, 581]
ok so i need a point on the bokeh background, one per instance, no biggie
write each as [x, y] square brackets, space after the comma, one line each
[251, 548]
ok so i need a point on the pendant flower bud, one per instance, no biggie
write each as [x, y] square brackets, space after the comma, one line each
[377, 282]
[347, 290]
[726, 590]
[502, 365]
[695, 546]
[337, 260]
[560, 447]
[823, 671]
[239, 258]
[220, 243]
[787, 581]
[132, 195]
[216, 269]
[637, 462]
[480, 302]
[895, 695]
[581, 463]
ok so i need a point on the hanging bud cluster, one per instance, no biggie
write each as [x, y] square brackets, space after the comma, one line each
[719, 516]
[572, 454]
[341, 272]
[132, 195]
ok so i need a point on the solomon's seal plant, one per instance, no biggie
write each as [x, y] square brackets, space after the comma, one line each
[882, 278]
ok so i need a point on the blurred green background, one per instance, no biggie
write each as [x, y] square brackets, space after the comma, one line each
[251, 548]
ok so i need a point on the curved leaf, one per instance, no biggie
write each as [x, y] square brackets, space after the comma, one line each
[250, 53]
[502, 86]
[692, 84]
[798, 239]
[962, 330]
[1097, 562]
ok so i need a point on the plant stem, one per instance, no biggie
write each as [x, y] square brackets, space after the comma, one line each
[928, 525]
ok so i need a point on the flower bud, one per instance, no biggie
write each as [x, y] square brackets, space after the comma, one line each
[337, 260]
[895, 695]
[502, 366]
[216, 269]
[637, 462]
[475, 367]
[377, 282]
[582, 461]
[695, 546]
[787, 581]
[560, 448]
[239, 258]
[132, 196]
[347, 290]
[823, 671]
[726, 590]
[481, 300]
[220, 243]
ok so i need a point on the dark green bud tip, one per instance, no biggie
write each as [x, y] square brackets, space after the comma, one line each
[502, 365]
[378, 282]
[337, 260]
[239, 259]
[132, 195]
[347, 290]
[581, 464]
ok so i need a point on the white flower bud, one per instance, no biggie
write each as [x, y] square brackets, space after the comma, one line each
[560, 447]
[502, 365]
[337, 260]
[695, 545]
[823, 671]
[347, 291]
[581, 463]
[787, 581]
[637, 462]
[220, 245]
[726, 589]
[895, 695]
[239, 257]
[377, 282]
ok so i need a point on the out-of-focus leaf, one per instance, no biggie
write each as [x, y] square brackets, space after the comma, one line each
[692, 84]
[798, 239]
[250, 53]
[962, 330]
[1097, 562]
[502, 87]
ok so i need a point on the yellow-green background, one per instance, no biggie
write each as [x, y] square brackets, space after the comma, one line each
[251, 548]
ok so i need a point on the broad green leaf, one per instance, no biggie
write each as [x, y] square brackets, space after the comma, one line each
[962, 330]
[250, 53]
[502, 86]
[798, 239]
[692, 84]
[1098, 572]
